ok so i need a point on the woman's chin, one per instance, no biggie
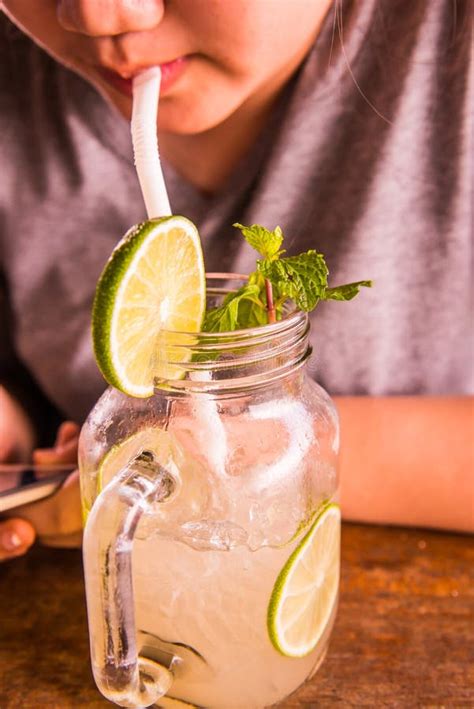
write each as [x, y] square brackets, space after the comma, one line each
[179, 113]
[188, 118]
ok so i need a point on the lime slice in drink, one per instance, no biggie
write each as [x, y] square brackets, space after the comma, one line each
[153, 282]
[120, 455]
[306, 588]
[155, 440]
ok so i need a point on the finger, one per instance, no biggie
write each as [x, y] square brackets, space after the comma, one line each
[55, 456]
[68, 431]
[45, 456]
[66, 453]
[65, 447]
[16, 537]
[57, 515]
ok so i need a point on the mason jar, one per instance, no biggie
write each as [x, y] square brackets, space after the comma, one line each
[211, 547]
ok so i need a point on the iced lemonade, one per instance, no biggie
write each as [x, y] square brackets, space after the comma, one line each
[237, 580]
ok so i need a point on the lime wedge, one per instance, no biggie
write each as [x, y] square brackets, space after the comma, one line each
[155, 440]
[120, 455]
[305, 591]
[153, 282]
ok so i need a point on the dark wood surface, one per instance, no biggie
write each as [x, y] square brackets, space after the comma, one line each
[404, 636]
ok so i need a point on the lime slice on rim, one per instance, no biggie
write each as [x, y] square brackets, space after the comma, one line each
[305, 591]
[154, 281]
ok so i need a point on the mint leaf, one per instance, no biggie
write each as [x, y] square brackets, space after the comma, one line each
[252, 314]
[345, 292]
[230, 315]
[302, 278]
[266, 242]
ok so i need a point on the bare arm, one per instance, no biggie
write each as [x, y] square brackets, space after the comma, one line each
[408, 460]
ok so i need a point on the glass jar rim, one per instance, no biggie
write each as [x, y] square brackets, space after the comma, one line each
[291, 317]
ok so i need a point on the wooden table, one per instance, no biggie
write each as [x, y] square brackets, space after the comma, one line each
[404, 636]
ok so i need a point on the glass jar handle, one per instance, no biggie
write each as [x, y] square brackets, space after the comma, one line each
[120, 673]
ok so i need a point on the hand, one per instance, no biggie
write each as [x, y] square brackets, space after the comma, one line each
[56, 520]
[16, 430]
[65, 447]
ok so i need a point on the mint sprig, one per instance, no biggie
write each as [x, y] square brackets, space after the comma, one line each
[303, 278]
[266, 242]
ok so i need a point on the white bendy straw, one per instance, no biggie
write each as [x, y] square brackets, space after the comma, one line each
[146, 91]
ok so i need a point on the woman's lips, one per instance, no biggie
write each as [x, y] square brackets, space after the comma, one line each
[170, 72]
[124, 86]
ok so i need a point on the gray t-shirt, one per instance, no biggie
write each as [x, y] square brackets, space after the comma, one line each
[368, 158]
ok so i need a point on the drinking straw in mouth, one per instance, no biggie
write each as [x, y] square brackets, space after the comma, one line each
[146, 91]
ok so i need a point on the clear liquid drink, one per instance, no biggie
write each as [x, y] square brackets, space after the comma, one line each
[211, 547]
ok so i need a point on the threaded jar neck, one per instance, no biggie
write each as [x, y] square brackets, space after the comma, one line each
[226, 361]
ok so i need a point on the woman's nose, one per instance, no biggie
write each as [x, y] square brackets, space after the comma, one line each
[102, 18]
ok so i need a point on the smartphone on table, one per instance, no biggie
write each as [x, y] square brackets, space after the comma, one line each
[23, 483]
